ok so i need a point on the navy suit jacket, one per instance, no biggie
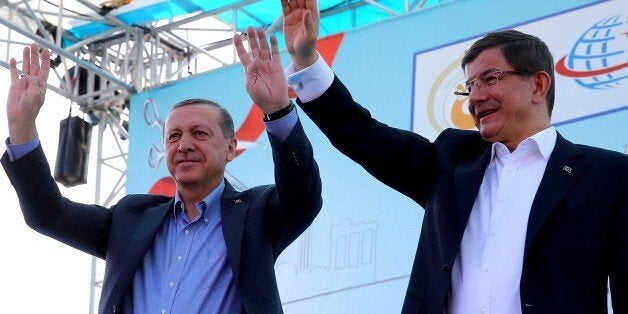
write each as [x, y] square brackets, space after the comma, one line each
[577, 233]
[258, 224]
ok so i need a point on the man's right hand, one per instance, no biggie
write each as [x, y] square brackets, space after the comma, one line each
[300, 28]
[26, 94]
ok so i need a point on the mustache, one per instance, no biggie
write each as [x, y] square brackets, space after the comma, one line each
[186, 157]
[477, 108]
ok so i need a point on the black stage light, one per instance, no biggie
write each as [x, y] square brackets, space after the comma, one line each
[75, 136]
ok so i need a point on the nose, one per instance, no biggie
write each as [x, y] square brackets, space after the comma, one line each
[477, 96]
[185, 144]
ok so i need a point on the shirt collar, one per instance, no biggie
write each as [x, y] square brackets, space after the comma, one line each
[212, 200]
[544, 140]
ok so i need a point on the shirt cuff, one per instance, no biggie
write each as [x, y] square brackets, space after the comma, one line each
[282, 127]
[311, 82]
[17, 151]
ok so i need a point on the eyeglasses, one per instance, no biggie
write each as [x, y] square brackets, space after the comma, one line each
[485, 80]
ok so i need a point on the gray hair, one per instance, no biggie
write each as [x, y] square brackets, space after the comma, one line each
[226, 122]
[525, 53]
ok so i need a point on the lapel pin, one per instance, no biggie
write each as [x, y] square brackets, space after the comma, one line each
[567, 169]
[237, 201]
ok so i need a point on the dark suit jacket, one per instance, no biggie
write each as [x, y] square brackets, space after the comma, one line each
[257, 224]
[577, 232]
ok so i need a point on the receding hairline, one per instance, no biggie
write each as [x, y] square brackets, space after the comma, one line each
[225, 120]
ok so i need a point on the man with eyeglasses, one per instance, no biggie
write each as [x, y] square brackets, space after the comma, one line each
[517, 219]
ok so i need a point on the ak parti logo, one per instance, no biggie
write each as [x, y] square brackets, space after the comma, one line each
[599, 58]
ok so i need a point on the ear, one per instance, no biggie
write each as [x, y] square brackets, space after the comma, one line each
[231, 148]
[542, 84]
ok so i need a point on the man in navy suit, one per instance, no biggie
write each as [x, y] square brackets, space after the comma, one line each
[210, 249]
[517, 219]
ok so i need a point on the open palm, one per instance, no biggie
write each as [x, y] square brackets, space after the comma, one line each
[26, 94]
[300, 27]
[262, 81]
[265, 80]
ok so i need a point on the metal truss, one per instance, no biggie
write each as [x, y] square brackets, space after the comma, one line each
[127, 59]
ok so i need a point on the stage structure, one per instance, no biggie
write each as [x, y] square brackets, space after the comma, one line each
[105, 51]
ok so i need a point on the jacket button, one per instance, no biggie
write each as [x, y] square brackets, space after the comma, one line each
[296, 156]
[446, 269]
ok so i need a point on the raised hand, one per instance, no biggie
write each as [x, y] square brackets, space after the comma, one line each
[265, 80]
[26, 94]
[300, 28]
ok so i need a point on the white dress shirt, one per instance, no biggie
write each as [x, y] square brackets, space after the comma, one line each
[311, 82]
[487, 270]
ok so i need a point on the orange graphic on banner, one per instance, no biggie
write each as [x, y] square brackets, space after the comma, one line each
[459, 118]
[164, 186]
[251, 128]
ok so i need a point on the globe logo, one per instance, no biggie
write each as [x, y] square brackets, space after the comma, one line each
[599, 59]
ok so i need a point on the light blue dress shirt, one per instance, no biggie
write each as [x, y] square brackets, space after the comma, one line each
[187, 269]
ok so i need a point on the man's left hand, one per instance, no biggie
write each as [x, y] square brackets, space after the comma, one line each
[265, 80]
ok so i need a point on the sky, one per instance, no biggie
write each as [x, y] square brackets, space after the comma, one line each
[41, 275]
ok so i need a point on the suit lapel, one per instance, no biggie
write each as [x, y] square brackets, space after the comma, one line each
[142, 239]
[468, 178]
[563, 168]
[234, 209]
